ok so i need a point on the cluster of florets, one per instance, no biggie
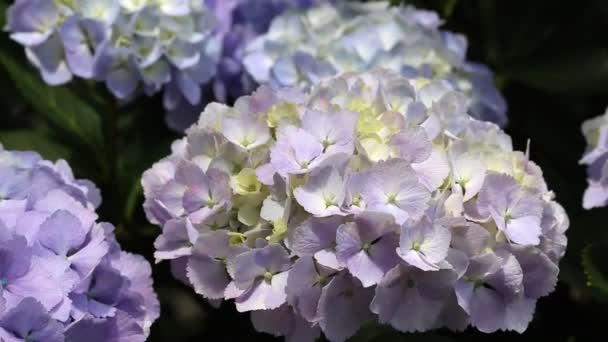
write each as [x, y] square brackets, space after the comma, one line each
[302, 48]
[376, 197]
[596, 134]
[145, 46]
[131, 45]
[63, 276]
[237, 22]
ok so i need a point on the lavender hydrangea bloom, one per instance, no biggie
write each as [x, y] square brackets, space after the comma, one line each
[369, 195]
[60, 270]
[304, 47]
[596, 133]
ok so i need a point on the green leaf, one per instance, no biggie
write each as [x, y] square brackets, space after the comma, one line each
[595, 270]
[133, 199]
[35, 141]
[448, 8]
[578, 72]
[3, 8]
[58, 104]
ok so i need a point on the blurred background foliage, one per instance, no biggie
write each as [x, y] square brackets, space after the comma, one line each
[550, 60]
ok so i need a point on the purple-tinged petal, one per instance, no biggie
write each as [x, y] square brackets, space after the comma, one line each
[424, 245]
[393, 188]
[29, 321]
[487, 310]
[48, 57]
[120, 328]
[367, 247]
[323, 194]
[245, 131]
[397, 294]
[344, 307]
[335, 131]
[37, 283]
[246, 267]
[519, 314]
[32, 22]
[284, 322]
[539, 272]
[176, 240]
[264, 294]
[304, 285]
[80, 38]
[471, 238]
[413, 145]
[295, 152]
[313, 235]
[117, 68]
[206, 268]
[61, 233]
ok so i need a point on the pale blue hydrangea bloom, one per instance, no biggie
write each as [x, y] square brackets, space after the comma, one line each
[63, 276]
[596, 134]
[178, 47]
[370, 195]
[303, 47]
[134, 46]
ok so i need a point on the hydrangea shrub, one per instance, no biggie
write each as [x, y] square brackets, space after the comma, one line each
[595, 131]
[63, 276]
[375, 197]
[303, 47]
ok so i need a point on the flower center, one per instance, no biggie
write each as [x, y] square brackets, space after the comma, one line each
[507, 216]
[245, 142]
[326, 143]
[236, 238]
[329, 201]
[416, 246]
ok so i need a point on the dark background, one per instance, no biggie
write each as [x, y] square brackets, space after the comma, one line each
[550, 60]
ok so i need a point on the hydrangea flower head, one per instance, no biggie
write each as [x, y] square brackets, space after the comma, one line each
[303, 47]
[63, 276]
[595, 131]
[147, 46]
[133, 46]
[369, 196]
